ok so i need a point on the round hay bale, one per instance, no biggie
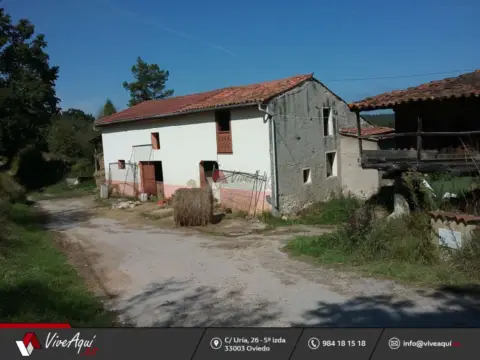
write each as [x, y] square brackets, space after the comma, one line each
[193, 207]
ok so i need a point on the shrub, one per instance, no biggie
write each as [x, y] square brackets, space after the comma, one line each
[467, 258]
[193, 207]
[406, 239]
[10, 190]
[337, 210]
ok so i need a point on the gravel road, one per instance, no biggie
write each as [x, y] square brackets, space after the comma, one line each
[165, 277]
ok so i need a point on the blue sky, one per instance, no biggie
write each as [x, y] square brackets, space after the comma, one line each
[212, 44]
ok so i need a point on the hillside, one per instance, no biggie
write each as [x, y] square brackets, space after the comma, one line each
[387, 120]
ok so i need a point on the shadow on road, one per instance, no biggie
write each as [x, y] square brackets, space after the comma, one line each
[180, 303]
[451, 307]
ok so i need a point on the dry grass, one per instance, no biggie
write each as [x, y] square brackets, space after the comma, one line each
[193, 207]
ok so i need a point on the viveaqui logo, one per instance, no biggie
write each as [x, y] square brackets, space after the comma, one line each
[28, 344]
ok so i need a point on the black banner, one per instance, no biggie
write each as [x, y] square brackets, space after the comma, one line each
[238, 343]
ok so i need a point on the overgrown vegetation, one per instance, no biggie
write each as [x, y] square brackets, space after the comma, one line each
[402, 248]
[333, 212]
[37, 284]
[39, 146]
[63, 190]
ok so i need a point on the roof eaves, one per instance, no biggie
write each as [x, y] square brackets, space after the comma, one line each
[177, 113]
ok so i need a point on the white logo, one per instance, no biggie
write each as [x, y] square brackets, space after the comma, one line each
[313, 343]
[394, 343]
[216, 343]
[54, 341]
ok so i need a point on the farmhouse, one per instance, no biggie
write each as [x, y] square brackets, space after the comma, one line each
[273, 146]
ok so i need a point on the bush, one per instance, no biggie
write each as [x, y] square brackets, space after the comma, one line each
[10, 190]
[405, 239]
[82, 168]
[364, 239]
[334, 211]
[193, 207]
[467, 259]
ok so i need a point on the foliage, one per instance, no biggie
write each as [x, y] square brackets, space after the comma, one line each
[63, 190]
[33, 169]
[335, 211]
[107, 109]
[387, 120]
[10, 190]
[149, 83]
[37, 283]
[27, 83]
[70, 136]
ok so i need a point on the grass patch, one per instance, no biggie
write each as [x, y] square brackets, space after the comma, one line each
[401, 249]
[63, 190]
[36, 282]
[333, 212]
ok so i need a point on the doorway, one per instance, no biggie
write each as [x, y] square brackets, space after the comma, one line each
[207, 169]
[152, 178]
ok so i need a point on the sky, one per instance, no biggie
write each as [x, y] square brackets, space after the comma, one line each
[210, 44]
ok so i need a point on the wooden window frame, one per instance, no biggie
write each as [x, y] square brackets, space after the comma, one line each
[155, 139]
[226, 136]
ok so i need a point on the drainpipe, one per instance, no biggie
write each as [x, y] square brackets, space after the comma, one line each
[275, 202]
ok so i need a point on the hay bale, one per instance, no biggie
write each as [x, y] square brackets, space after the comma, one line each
[193, 207]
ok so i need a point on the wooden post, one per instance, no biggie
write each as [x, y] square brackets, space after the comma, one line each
[359, 134]
[419, 139]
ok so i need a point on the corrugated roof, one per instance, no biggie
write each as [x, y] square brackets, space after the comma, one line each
[231, 96]
[465, 85]
[369, 131]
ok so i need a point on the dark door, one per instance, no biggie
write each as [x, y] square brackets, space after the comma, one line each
[148, 178]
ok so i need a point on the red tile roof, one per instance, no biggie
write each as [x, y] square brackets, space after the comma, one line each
[466, 85]
[231, 96]
[369, 131]
[466, 218]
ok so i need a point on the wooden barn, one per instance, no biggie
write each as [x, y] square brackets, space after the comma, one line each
[437, 127]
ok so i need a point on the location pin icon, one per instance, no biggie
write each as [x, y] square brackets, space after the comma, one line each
[216, 343]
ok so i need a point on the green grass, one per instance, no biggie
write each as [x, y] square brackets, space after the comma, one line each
[401, 249]
[458, 185]
[333, 212]
[323, 251]
[63, 190]
[36, 282]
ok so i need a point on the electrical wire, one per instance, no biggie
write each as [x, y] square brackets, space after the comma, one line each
[402, 76]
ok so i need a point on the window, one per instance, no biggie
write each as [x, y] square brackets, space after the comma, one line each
[331, 159]
[155, 141]
[224, 135]
[328, 127]
[307, 177]
[222, 118]
[121, 164]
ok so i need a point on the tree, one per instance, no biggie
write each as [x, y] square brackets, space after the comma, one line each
[70, 137]
[107, 109]
[27, 87]
[149, 84]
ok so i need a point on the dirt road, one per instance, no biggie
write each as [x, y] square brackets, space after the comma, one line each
[165, 277]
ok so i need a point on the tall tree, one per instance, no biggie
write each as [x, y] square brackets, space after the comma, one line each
[70, 138]
[27, 86]
[149, 83]
[107, 109]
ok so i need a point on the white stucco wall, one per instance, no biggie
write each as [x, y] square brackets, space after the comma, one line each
[187, 140]
[355, 180]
